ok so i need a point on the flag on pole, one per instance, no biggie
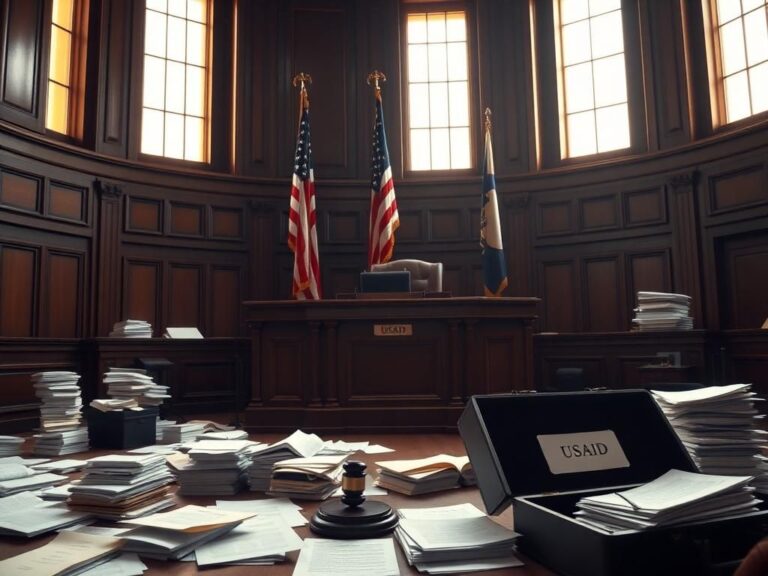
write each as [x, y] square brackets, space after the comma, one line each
[384, 219]
[302, 232]
[494, 264]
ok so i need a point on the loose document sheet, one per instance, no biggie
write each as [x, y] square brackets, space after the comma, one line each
[283, 507]
[374, 557]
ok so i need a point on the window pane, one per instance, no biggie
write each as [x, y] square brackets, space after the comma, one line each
[458, 103]
[154, 82]
[174, 135]
[418, 70]
[578, 88]
[572, 10]
[460, 157]
[732, 44]
[420, 150]
[154, 34]
[581, 134]
[62, 14]
[758, 82]
[196, 43]
[576, 45]
[737, 96]
[607, 89]
[727, 10]
[195, 96]
[756, 32]
[152, 132]
[441, 149]
[612, 128]
[418, 102]
[194, 139]
[456, 27]
[438, 104]
[177, 38]
[174, 87]
[436, 27]
[159, 5]
[457, 61]
[607, 35]
[748, 5]
[197, 10]
[597, 7]
[438, 63]
[177, 8]
[57, 114]
[60, 55]
[417, 28]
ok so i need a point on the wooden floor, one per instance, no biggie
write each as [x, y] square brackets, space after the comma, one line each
[406, 446]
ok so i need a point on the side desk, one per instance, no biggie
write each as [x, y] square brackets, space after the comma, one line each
[383, 364]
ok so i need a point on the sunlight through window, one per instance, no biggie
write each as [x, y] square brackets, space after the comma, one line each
[438, 91]
[59, 68]
[593, 74]
[175, 96]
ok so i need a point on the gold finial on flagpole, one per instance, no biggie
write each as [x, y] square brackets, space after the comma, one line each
[302, 79]
[487, 114]
[376, 76]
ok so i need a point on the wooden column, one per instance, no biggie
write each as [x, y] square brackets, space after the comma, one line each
[108, 289]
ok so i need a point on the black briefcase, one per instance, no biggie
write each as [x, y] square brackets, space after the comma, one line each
[542, 452]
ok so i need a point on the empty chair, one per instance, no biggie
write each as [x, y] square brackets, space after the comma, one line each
[425, 276]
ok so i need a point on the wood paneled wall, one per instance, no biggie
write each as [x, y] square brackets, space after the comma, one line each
[92, 232]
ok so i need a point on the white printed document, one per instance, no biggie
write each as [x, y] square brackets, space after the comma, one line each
[375, 557]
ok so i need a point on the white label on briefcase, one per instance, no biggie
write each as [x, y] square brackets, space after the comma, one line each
[582, 451]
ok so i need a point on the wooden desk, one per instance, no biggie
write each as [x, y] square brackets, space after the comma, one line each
[406, 446]
[383, 364]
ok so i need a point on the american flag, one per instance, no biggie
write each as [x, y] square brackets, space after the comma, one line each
[302, 233]
[384, 219]
[494, 264]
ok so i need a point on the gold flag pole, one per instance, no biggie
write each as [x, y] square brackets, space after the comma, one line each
[487, 115]
[375, 76]
[302, 79]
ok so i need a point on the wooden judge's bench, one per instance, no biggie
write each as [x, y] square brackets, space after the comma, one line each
[394, 364]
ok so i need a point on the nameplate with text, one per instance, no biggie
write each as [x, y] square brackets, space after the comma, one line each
[582, 451]
[393, 329]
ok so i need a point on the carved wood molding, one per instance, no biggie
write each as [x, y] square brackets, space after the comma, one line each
[683, 180]
[108, 189]
[517, 201]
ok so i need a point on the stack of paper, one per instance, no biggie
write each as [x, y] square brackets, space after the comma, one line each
[131, 329]
[60, 395]
[425, 475]
[110, 404]
[662, 311]
[673, 498]
[175, 433]
[225, 435]
[313, 478]
[135, 384]
[119, 487]
[16, 477]
[10, 445]
[60, 443]
[297, 444]
[454, 539]
[287, 510]
[27, 515]
[258, 541]
[68, 553]
[173, 535]
[160, 427]
[372, 557]
[215, 467]
[719, 427]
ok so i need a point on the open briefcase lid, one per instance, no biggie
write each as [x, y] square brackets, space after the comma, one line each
[524, 444]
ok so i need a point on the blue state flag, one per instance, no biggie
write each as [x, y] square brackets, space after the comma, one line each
[494, 264]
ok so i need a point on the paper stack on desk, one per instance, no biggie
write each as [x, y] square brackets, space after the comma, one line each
[27, 515]
[454, 539]
[673, 498]
[662, 311]
[314, 478]
[441, 472]
[131, 329]
[119, 487]
[719, 427]
[176, 433]
[173, 535]
[215, 467]
[298, 444]
[68, 553]
[60, 414]
[10, 445]
[136, 384]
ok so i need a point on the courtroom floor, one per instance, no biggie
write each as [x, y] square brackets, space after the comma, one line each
[406, 446]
